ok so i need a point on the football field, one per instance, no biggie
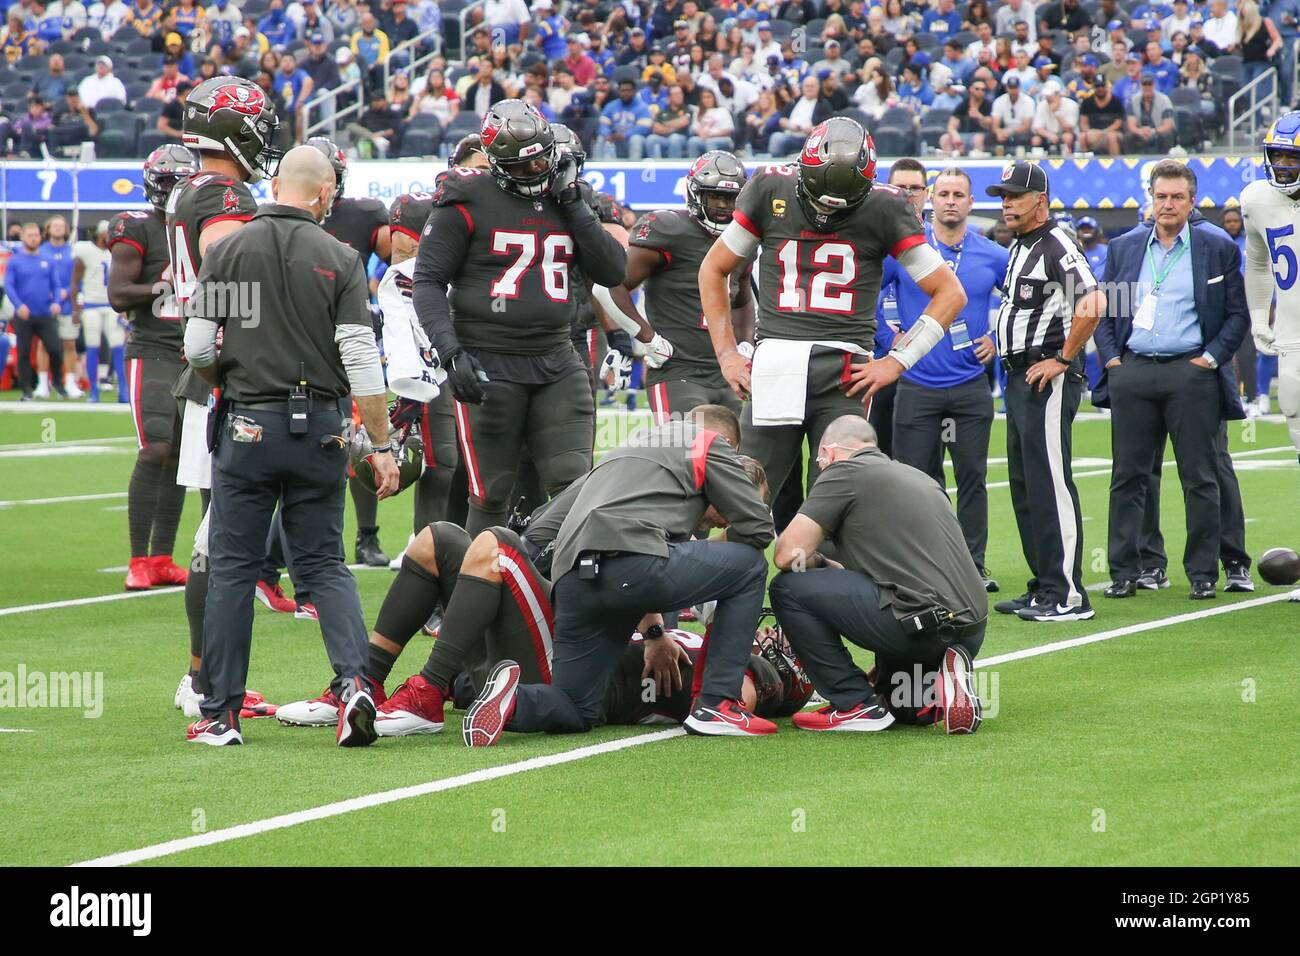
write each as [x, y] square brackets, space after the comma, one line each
[1163, 732]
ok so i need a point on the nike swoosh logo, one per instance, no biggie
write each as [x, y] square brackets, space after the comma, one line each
[740, 720]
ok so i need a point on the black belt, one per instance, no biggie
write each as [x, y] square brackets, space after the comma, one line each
[937, 621]
[1022, 360]
[318, 404]
[957, 631]
[1164, 359]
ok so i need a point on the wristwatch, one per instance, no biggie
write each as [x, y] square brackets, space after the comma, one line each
[1057, 356]
[652, 632]
[1210, 360]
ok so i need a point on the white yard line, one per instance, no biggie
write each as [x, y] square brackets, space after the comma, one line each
[569, 756]
[65, 451]
[62, 499]
[78, 602]
[15, 730]
[83, 442]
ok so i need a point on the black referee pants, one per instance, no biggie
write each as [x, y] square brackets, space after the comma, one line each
[248, 478]
[594, 620]
[960, 419]
[1046, 502]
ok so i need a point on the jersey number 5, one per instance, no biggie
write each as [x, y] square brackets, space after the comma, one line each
[556, 254]
[1283, 253]
[828, 288]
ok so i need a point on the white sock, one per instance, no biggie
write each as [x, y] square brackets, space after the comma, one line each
[70, 379]
[43, 379]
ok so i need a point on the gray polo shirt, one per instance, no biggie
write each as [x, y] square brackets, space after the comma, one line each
[895, 525]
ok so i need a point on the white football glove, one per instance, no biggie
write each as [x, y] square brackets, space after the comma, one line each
[657, 351]
[1264, 341]
[616, 370]
[746, 349]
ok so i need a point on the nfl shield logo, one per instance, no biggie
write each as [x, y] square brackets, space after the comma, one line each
[1026, 290]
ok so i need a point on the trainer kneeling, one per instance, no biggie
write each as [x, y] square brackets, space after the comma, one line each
[907, 589]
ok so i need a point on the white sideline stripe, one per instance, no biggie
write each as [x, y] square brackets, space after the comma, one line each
[78, 602]
[71, 443]
[581, 753]
[376, 800]
[62, 499]
[15, 730]
[50, 451]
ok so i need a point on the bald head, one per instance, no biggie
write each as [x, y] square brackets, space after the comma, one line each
[843, 437]
[305, 179]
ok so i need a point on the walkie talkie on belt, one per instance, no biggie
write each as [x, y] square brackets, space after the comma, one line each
[299, 405]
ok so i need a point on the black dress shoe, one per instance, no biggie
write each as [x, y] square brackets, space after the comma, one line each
[1121, 589]
[1202, 591]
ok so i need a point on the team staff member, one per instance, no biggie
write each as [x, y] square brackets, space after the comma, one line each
[912, 598]
[32, 290]
[943, 400]
[285, 379]
[362, 224]
[93, 312]
[1050, 309]
[625, 547]
[1167, 352]
[58, 250]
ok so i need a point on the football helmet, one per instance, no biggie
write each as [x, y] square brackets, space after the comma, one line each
[409, 447]
[712, 185]
[163, 168]
[1282, 142]
[520, 147]
[567, 141]
[338, 159]
[232, 116]
[837, 168]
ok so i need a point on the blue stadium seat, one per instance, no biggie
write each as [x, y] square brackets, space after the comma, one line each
[151, 139]
[105, 107]
[894, 141]
[116, 142]
[420, 142]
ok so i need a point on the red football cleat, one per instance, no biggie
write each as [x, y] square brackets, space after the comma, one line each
[163, 570]
[414, 708]
[255, 705]
[862, 718]
[962, 713]
[487, 717]
[273, 597]
[306, 612]
[137, 575]
[728, 719]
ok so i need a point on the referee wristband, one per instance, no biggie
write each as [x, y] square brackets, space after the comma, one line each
[917, 341]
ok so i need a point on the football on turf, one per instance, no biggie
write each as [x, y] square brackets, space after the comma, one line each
[1280, 566]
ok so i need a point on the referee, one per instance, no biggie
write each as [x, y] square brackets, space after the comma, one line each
[1049, 309]
[286, 368]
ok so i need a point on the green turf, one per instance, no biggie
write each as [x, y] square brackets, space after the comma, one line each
[1150, 729]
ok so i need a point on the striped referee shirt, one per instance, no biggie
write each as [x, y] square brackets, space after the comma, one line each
[1046, 275]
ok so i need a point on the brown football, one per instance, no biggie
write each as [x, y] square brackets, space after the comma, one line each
[1280, 566]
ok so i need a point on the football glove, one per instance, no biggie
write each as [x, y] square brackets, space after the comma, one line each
[616, 370]
[657, 351]
[405, 413]
[565, 185]
[467, 378]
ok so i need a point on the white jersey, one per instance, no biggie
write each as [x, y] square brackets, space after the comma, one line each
[413, 367]
[1272, 262]
[94, 275]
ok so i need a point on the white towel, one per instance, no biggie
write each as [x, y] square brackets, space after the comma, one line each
[413, 368]
[779, 379]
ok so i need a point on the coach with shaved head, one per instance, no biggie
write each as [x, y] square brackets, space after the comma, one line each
[297, 340]
[904, 586]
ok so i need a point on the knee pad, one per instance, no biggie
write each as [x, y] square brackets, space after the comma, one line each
[158, 454]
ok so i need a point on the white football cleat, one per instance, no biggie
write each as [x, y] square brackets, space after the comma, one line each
[72, 389]
[187, 699]
[396, 563]
[42, 390]
[321, 712]
[1294, 596]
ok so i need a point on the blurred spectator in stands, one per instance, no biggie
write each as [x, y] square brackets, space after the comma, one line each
[550, 30]
[601, 54]
[1013, 113]
[834, 29]
[712, 128]
[221, 20]
[316, 23]
[344, 15]
[371, 47]
[172, 117]
[480, 43]
[18, 41]
[1043, 73]
[102, 84]
[679, 47]
[1180, 21]
[32, 130]
[1179, 44]
[483, 90]
[70, 113]
[400, 27]
[533, 96]
[108, 16]
[971, 122]
[1022, 71]
[164, 86]
[617, 28]
[1195, 75]
[624, 124]
[74, 14]
[690, 90]
[635, 54]
[942, 18]
[294, 87]
[562, 88]
[1164, 71]
[1117, 66]
[897, 23]
[582, 117]
[208, 69]
[1056, 120]
[914, 92]
[767, 44]
[257, 40]
[1079, 80]
[955, 59]
[174, 47]
[664, 14]
[1047, 51]
[373, 133]
[400, 99]
[1102, 119]
[242, 56]
[655, 92]
[734, 99]
[437, 99]
[54, 82]
[1258, 42]
[1067, 15]
[1023, 39]
[186, 17]
[1221, 27]
[1012, 12]
[833, 60]
[875, 93]
[977, 13]
[506, 19]
[504, 71]
[321, 68]
[1150, 120]
[799, 118]
[1005, 62]
[277, 27]
[761, 120]
[948, 93]
[1130, 84]
[49, 26]
[1107, 11]
[832, 91]
[348, 73]
[144, 17]
[576, 60]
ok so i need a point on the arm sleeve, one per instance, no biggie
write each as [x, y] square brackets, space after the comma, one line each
[1259, 277]
[443, 248]
[354, 334]
[728, 488]
[601, 256]
[919, 260]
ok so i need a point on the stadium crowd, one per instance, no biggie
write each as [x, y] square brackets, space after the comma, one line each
[664, 79]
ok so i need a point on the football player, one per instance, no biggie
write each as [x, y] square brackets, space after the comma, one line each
[1271, 209]
[137, 274]
[364, 225]
[826, 227]
[503, 241]
[230, 123]
[666, 250]
[91, 309]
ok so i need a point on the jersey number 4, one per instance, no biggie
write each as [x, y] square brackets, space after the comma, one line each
[829, 285]
[556, 253]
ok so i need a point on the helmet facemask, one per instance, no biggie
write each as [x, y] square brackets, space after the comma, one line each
[1282, 166]
[529, 176]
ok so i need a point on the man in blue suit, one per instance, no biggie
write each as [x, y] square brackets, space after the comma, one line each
[1177, 316]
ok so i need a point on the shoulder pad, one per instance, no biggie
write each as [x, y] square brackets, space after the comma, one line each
[410, 212]
[608, 209]
[130, 227]
[460, 185]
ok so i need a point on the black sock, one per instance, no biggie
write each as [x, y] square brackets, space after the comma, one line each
[366, 505]
[196, 599]
[464, 628]
[142, 504]
[171, 501]
[380, 664]
[411, 598]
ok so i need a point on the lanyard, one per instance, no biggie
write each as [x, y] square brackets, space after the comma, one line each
[1170, 261]
[940, 246]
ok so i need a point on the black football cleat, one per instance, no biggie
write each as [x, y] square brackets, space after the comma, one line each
[986, 579]
[368, 551]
